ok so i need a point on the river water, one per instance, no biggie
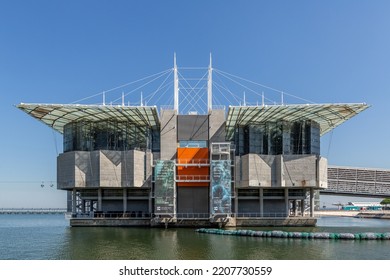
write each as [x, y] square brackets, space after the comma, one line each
[48, 237]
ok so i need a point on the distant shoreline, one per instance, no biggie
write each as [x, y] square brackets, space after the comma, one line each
[383, 214]
[14, 211]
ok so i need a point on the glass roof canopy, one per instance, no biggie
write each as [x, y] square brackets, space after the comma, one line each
[58, 115]
[328, 116]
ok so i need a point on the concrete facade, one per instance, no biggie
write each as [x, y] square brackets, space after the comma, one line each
[168, 134]
[104, 169]
[261, 183]
[282, 171]
[217, 130]
[261, 187]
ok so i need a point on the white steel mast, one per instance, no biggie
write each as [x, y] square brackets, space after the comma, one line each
[176, 86]
[210, 87]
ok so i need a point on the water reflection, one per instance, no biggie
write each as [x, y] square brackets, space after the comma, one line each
[49, 237]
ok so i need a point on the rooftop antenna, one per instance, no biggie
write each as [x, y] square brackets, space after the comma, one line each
[175, 85]
[262, 98]
[210, 87]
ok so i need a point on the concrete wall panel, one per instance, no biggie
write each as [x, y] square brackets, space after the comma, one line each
[217, 132]
[300, 170]
[168, 135]
[192, 127]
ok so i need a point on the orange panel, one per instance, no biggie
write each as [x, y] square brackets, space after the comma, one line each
[194, 158]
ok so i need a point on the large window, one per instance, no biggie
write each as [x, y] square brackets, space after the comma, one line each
[193, 144]
[105, 135]
[277, 138]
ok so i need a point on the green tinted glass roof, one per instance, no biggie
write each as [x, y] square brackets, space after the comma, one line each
[328, 116]
[58, 115]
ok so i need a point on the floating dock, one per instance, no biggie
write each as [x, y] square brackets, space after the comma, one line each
[299, 235]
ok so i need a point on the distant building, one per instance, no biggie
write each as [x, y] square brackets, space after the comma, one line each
[245, 166]
[361, 206]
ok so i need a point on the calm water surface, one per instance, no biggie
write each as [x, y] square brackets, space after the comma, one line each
[26, 237]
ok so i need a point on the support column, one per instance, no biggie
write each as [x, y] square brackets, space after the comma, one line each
[303, 207]
[174, 195]
[261, 201]
[311, 202]
[124, 200]
[236, 202]
[150, 204]
[287, 205]
[74, 201]
[99, 203]
[83, 206]
[295, 208]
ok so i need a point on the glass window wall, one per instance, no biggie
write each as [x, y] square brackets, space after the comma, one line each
[277, 138]
[105, 135]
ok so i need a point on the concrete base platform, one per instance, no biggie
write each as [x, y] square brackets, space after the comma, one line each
[276, 222]
[110, 222]
[193, 223]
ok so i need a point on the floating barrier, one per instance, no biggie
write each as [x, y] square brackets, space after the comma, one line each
[299, 235]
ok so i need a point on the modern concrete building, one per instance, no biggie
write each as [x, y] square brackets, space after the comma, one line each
[141, 165]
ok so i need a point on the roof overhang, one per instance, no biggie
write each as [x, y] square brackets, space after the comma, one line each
[328, 116]
[58, 115]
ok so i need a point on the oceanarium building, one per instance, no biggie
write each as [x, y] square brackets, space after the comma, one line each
[148, 166]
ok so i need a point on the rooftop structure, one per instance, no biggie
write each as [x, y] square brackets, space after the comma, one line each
[144, 165]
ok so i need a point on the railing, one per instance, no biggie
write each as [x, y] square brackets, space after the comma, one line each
[110, 215]
[144, 215]
[222, 148]
[192, 178]
[218, 107]
[193, 215]
[167, 107]
[264, 215]
[189, 161]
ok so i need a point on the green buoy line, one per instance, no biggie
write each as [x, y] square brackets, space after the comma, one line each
[299, 235]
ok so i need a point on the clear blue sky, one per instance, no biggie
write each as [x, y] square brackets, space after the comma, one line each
[61, 51]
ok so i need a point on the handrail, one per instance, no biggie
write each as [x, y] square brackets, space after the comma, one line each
[192, 177]
[262, 215]
[190, 161]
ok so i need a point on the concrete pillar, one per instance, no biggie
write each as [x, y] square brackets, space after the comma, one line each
[287, 205]
[174, 195]
[311, 202]
[281, 178]
[303, 207]
[236, 202]
[124, 200]
[295, 207]
[150, 202]
[261, 201]
[99, 204]
[83, 206]
[74, 201]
